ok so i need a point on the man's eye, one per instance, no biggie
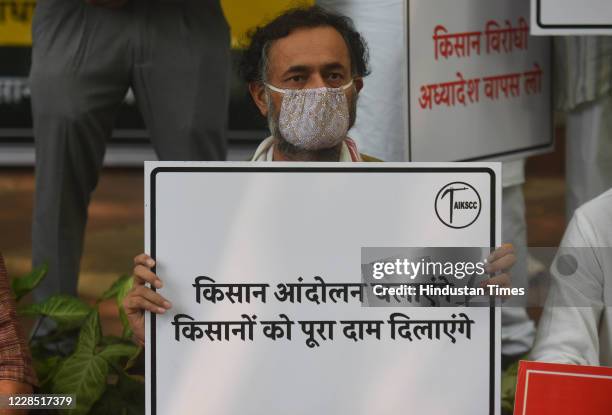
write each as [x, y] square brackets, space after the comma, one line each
[335, 76]
[297, 78]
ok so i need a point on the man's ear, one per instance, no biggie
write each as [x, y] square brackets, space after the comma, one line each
[258, 93]
[358, 82]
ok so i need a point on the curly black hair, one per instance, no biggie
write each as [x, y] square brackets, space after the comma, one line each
[253, 60]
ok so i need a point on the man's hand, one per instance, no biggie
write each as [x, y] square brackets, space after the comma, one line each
[500, 262]
[141, 297]
[110, 4]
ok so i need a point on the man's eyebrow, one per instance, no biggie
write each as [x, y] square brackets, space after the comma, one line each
[297, 69]
[333, 65]
[305, 68]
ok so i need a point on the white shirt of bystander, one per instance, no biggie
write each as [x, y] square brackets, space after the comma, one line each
[581, 335]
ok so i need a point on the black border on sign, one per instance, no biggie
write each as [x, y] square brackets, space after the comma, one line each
[549, 145]
[152, 235]
[566, 26]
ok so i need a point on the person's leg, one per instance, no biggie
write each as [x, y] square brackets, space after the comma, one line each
[588, 153]
[181, 77]
[79, 76]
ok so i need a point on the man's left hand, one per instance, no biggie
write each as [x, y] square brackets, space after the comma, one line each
[499, 263]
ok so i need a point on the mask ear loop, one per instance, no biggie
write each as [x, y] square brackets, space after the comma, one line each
[347, 86]
[275, 89]
[284, 91]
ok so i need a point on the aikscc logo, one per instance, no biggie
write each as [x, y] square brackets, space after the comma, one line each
[458, 205]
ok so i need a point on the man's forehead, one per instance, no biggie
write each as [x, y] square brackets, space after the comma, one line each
[319, 46]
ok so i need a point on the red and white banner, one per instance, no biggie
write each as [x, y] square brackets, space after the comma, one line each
[555, 389]
[479, 84]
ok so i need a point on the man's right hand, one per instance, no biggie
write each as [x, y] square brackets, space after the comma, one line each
[141, 297]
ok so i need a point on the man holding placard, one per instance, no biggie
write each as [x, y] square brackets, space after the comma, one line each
[317, 64]
[304, 70]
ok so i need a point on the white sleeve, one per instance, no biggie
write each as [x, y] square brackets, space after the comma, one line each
[568, 328]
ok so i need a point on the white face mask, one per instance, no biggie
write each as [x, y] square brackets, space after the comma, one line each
[314, 119]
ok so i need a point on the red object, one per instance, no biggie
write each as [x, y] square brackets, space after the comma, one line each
[554, 389]
[15, 360]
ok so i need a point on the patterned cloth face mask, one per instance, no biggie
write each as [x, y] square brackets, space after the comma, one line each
[314, 119]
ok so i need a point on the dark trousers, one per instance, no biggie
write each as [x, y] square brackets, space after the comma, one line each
[175, 57]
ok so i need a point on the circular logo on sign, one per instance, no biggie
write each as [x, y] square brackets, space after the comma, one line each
[458, 205]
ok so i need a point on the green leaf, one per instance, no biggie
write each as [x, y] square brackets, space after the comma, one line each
[22, 286]
[68, 312]
[45, 368]
[134, 359]
[83, 374]
[122, 292]
[91, 333]
[115, 352]
[127, 331]
[124, 289]
[117, 288]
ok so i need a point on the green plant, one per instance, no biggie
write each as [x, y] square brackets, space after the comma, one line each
[76, 358]
[508, 386]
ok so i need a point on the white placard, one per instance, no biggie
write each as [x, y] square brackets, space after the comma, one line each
[479, 85]
[571, 17]
[276, 222]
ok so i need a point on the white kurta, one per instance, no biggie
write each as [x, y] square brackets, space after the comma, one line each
[581, 335]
